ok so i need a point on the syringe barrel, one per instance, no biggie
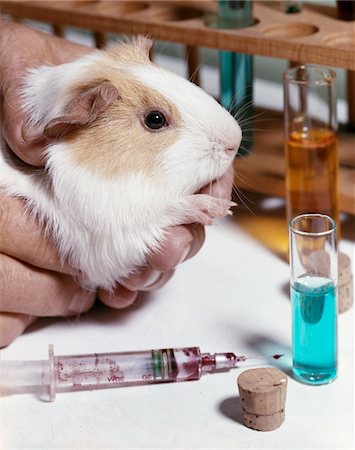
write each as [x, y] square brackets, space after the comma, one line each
[97, 371]
[23, 374]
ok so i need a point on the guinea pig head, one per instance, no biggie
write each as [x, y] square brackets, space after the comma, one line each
[119, 114]
[208, 136]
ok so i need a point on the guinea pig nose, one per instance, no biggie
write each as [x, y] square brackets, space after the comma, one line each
[230, 149]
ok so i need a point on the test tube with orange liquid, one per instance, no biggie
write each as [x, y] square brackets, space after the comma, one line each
[311, 142]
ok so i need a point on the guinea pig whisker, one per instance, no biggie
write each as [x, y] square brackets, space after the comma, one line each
[247, 101]
[242, 113]
[253, 129]
[202, 63]
[255, 118]
[246, 151]
[245, 181]
[246, 139]
[245, 106]
[242, 197]
[235, 97]
[251, 123]
[232, 104]
[241, 155]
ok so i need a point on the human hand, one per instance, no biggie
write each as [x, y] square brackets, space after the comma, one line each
[23, 48]
[34, 283]
[182, 243]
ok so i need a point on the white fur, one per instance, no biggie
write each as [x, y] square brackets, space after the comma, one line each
[106, 227]
[208, 129]
[46, 88]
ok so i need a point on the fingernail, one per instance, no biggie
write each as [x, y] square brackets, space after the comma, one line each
[31, 133]
[81, 301]
[152, 279]
[183, 255]
[30, 319]
[121, 298]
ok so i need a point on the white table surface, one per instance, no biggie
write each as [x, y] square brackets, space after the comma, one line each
[231, 297]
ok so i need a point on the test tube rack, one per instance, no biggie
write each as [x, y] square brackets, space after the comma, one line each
[314, 35]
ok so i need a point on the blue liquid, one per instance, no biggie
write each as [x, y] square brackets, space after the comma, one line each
[236, 82]
[314, 329]
[236, 69]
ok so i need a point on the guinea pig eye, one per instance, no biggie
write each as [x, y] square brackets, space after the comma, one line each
[155, 120]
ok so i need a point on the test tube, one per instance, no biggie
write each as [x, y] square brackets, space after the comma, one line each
[346, 9]
[314, 275]
[311, 142]
[236, 69]
[291, 6]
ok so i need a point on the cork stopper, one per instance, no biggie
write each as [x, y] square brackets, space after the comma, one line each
[263, 396]
[319, 262]
[345, 283]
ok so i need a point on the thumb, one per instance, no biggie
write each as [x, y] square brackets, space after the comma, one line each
[19, 137]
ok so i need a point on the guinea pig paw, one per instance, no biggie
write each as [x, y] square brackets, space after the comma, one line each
[218, 207]
[203, 208]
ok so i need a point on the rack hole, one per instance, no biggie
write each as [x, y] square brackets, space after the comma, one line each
[290, 30]
[177, 14]
[122, 7]
[343, 40]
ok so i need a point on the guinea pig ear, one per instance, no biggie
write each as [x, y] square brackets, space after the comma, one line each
[83, 109]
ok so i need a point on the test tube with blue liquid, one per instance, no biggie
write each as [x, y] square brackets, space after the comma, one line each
[314, 275]
[236, 69]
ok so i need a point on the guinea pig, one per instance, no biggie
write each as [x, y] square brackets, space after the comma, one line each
[129, 146]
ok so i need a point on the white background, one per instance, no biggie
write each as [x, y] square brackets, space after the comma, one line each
[232, 296]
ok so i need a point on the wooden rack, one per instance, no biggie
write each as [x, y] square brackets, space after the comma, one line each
[311, 36]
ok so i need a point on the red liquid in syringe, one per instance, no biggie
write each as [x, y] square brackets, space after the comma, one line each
[133, 368]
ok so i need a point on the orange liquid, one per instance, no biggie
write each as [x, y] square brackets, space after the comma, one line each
[312, 173]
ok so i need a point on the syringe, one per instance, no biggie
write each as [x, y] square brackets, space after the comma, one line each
[66, 373]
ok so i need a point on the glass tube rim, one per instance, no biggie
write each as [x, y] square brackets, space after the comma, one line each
[322, 81]
[313, 233]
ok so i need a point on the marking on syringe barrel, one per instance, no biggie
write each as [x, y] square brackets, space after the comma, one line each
[164, 364]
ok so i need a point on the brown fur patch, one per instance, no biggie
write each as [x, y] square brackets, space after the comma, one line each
[134, 52]
[117, 142]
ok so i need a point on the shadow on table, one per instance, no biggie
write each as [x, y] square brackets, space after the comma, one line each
[232, 408]
[102, 314]
[267, 348]
[99, 313]
[264, 218]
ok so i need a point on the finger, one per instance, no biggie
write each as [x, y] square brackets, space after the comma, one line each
[181, 243]
[184, 241]
[159, 282]
[30, 151]
[146, 280]
[121, 297]
[221, 188]
[43, 49]
[30, 290]
[12, 325]
[22, 237]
